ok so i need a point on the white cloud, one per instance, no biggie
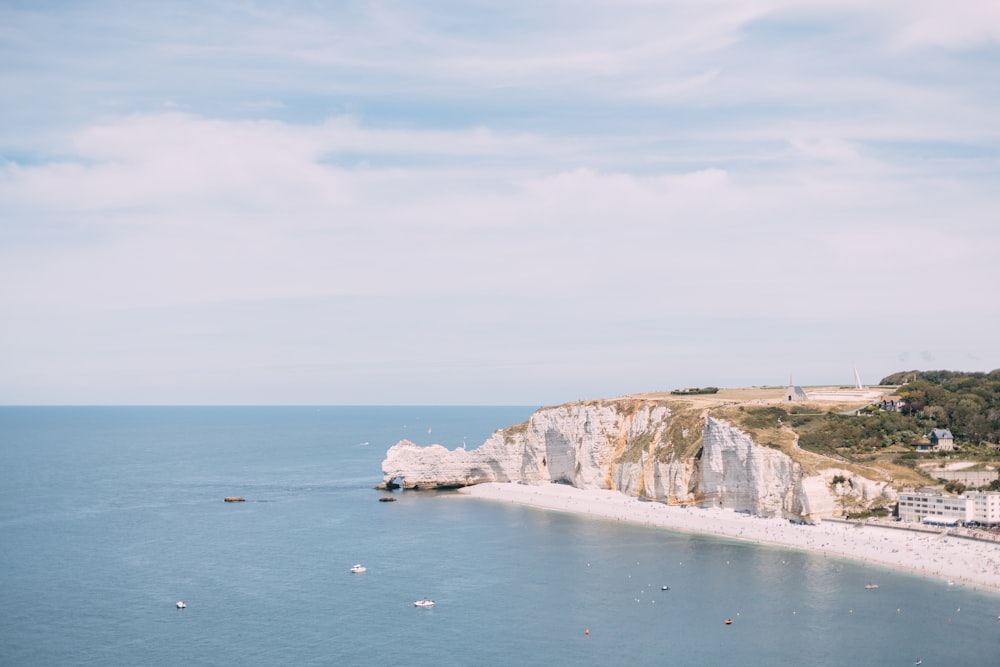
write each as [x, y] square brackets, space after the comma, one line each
[186, 209]
[963, 24]
[603, 194]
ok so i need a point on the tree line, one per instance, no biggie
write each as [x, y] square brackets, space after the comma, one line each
[968, 404]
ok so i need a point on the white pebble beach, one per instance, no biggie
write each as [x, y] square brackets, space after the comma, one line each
[934, 553]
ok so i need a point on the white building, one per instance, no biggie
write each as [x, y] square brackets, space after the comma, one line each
[931, 507]
[985, 507]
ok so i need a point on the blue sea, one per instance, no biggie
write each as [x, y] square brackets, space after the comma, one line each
[109, 516]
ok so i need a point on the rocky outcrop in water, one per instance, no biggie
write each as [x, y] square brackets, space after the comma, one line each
[637, 448]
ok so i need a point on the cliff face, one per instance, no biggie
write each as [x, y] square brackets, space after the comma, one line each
[737, 473]
[634, 447]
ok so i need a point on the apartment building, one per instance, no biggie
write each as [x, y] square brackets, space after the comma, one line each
[932, 507]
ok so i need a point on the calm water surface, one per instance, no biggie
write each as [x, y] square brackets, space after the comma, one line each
[108, 516]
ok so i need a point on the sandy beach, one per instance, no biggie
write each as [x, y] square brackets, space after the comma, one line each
[949, 557]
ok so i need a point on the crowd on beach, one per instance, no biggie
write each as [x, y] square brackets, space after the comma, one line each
[937, 553]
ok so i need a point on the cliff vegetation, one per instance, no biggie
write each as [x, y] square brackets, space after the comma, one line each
[968, 404]
[844, 450]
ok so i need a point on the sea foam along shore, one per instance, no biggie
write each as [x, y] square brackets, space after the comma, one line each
[936, 554]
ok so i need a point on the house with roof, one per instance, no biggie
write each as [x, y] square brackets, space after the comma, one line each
[891, 403]
[942, 440]
[939, 440]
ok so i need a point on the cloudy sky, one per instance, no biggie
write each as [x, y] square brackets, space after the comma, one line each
[479, 202]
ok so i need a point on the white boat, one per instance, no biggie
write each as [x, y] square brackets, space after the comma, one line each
[181, 605]
[358, 568]
[870, 585]
[424, 603]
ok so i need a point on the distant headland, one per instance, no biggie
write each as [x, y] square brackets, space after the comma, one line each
[893, 454]
[802, 453]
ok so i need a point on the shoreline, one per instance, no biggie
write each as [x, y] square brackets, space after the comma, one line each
[939, 555]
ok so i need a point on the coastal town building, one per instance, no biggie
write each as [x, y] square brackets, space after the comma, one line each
[985, 507]
[943, 509]
[933, 508]
[942, 439]
[891, 403]
[939, 440]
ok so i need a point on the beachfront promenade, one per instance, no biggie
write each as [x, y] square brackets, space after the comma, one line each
[935, 553]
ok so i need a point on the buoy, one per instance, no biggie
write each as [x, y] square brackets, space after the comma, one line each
[587, 632]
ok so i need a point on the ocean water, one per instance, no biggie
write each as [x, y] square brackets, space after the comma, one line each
[108, 516]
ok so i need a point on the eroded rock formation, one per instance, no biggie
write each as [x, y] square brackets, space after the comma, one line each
[639, 448]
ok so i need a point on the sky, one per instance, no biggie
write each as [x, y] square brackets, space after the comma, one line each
[479, 202]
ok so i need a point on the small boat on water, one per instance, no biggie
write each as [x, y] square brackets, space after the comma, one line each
[358, 568]
[664, 588]
[181, 605]
[729, 621]
[424, 603]
[871, 586]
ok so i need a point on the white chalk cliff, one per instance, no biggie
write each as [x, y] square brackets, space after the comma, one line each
[637, 448]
